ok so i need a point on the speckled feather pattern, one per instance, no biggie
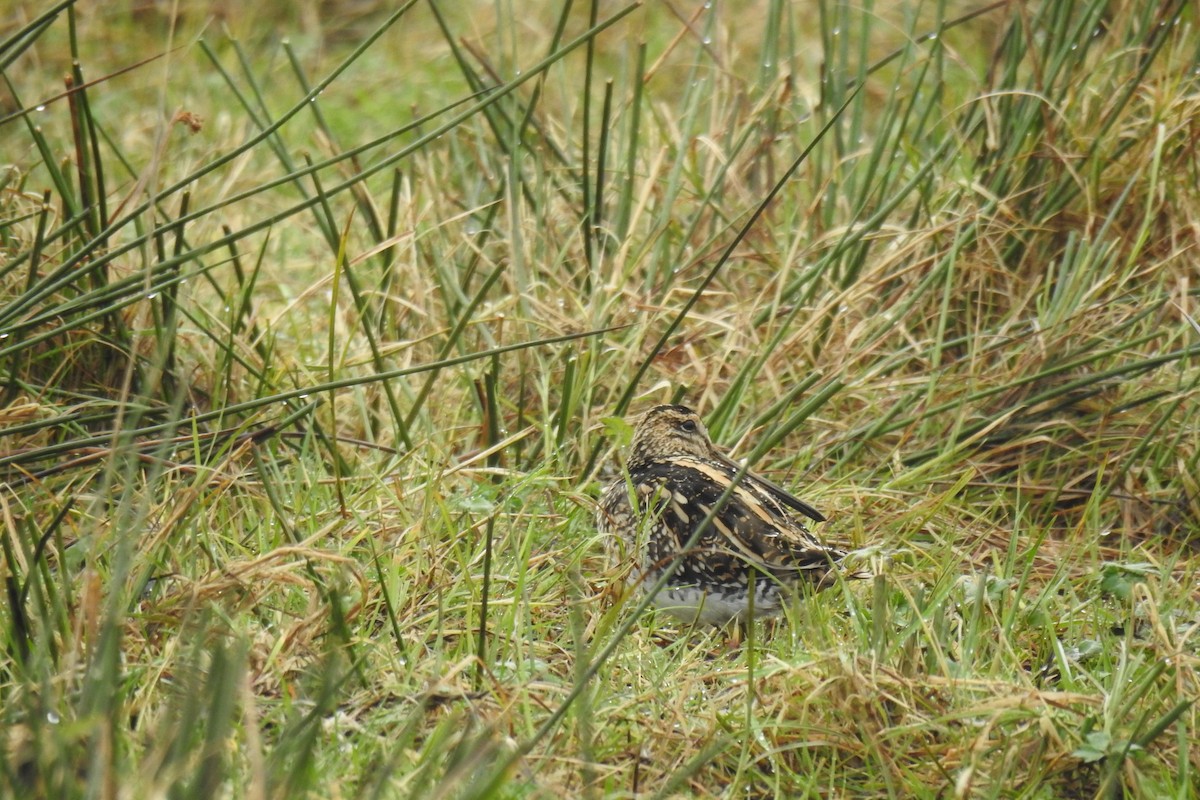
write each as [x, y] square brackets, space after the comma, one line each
[676, 477]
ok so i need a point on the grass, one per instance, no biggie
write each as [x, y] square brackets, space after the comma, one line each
[319, 325]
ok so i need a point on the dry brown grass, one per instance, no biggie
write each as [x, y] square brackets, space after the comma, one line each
[244, 564]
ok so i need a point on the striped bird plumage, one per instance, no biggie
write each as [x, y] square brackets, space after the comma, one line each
[757, 538]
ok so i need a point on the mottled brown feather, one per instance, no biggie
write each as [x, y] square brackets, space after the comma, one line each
[677, 477]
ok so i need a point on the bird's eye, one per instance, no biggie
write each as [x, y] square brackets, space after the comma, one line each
[688, 426]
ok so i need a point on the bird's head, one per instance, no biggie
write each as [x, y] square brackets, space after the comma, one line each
[670, 431]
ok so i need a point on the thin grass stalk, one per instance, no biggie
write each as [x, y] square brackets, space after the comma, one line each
[681, 777]
[587, 211]
[631, 388]
[262, 118]
[496, 118]
[454, 337]
[12, 387]
[62, 186]
[1094, 382]
[52, 282]
[491, 429]
[363, 310]
[564, 415]
[768, 63]
[709, 203]
[366, 208]
[64, 275]
[332, 351]
[599, 237]
[258, 404]
[633, 137]
[528, 121]
[387, 258]
[157, 202]
[83, 164]
[621, 631]
[726, 408]
[586, 730]
[168, 334]
[929, 358]
[322, 211]
[20, 635]
[240, 307]
[90, 152]
[23, 37]
[691, 103]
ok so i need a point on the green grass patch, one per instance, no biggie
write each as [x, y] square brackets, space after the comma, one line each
[316, 324]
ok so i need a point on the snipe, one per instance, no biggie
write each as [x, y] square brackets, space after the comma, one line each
[758, 538]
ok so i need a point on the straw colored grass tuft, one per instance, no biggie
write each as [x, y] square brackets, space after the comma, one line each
[319, 326]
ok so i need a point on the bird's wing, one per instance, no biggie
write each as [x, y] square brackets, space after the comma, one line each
[749, 528]
[773, 492]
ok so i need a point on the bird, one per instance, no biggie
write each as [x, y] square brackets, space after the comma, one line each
[753, 553]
